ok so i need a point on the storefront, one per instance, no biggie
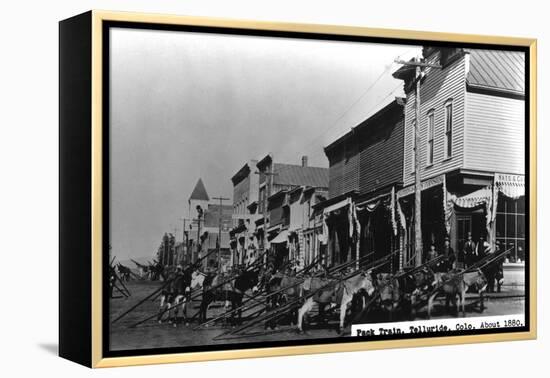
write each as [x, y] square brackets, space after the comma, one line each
[279, 249]
[432, 219]
[378, 236]
[495, 212]
[510, 224]
[341, 230]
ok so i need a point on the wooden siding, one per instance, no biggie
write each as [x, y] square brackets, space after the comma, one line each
[350, 180]
[495, 134]
[439, 86]
[369, 158]
[381, 155]
[336, 174]
[241, 192]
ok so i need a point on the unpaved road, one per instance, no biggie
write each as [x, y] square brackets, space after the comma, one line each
[153, 335]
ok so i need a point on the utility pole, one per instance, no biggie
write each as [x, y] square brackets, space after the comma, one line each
[419, 64]
[221, 199]
[200, 212]
[185, 238]
[173, 253]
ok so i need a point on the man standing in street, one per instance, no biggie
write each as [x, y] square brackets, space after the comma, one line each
[440, 266]
[449, 253]
[469, 251]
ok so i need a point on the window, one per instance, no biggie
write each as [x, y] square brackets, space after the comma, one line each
[510, 227]
[430, 147]
[448, 130]
[449, 55]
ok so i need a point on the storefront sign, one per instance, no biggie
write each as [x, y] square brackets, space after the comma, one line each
[504, 178]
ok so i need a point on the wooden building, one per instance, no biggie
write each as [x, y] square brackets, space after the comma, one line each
[276, 182]
[245, 192]
[366, 170]
[472, 126]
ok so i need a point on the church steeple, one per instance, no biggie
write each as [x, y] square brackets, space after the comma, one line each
[198, 197]
[199, 193]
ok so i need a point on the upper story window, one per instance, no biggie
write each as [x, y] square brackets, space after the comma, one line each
[431, 132]
[448, 129]
[449, 55]
[261, 203]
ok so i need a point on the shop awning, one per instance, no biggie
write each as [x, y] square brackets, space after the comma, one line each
[512, 186]
[281, 238]
[337, 206]
[474, 199]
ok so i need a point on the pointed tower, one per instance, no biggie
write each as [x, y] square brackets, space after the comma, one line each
[199, 197]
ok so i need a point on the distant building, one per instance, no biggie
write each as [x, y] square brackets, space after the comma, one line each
[199, 197]
[210, 228]
[305, 225]
[245, 213]
[279, 187]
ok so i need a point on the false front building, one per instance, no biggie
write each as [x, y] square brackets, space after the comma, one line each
[276, 196]
[366, 171]
[472, 150]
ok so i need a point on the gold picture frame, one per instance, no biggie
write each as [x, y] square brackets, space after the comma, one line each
[93, 25]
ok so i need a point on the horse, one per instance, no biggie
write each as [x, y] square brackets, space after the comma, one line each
[156, 271]
[124, 272]
[178, 291]
[388, 292]
[248, 279]
[231, 292]
[414, 286]
[457, 283]
[337, 291]
[493, 272]
[280, 289]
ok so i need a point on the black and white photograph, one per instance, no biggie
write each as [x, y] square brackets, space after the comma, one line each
[280, 190]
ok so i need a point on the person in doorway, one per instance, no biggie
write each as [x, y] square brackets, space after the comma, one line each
[469, 251]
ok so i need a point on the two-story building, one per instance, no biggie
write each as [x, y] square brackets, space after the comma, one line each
[245, 192]
[278, 185]
[366, 170]
[472, 128]
[305, 226]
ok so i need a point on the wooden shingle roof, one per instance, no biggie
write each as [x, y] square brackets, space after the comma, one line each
[289, 174]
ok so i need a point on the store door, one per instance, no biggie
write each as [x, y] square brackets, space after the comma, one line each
[463, 226]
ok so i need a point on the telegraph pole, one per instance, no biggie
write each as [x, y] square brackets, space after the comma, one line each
[174, 253]
[419, 64]
[221, 199]
[185, 238]
[200, 212]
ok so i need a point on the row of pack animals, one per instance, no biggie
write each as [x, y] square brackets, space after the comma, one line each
[181, 285]
[389, 296]
[153, 271]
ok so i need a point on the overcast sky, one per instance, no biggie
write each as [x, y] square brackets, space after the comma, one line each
[189, 105]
